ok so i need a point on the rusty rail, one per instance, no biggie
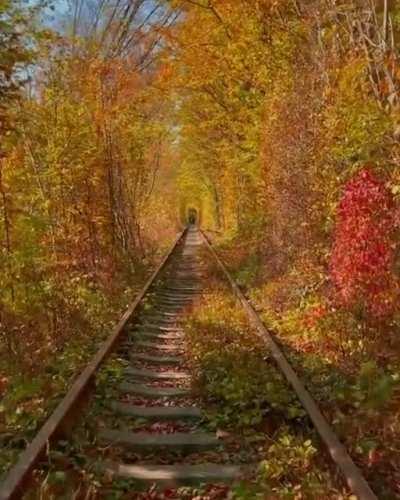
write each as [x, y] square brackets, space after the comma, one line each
[352, 474]
[65, 413]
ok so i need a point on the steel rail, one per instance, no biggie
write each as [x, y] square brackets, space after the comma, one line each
[352, 474]
[63, 416]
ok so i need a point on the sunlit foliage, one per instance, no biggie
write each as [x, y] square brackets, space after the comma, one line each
[364, 249]
[260, 114]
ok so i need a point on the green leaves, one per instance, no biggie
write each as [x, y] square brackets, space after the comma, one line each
[374, 388]
[229, 361]
[289, 466]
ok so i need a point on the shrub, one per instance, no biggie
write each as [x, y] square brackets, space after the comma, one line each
[231, 366]
[364, 248]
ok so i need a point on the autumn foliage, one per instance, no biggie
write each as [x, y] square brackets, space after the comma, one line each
[364, 246]
[273, 118]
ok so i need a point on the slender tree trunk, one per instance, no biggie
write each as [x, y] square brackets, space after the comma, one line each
[218, 208]
[7, 227]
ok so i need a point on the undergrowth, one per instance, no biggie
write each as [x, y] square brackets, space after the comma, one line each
[246, 395]
[349, 363]
[29, 396]
[231, 365]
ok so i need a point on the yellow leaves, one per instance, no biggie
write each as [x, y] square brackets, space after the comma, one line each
[223, 71]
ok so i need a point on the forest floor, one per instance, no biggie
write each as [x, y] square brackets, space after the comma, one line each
[29, 390]
[246, 400]
[351, 369]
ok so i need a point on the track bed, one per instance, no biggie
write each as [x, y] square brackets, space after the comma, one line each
[144, 433]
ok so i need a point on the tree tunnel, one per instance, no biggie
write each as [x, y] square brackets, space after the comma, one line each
[192, 216]
[190, 212]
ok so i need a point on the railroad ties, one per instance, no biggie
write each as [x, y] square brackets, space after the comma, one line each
[158, 379]
[150, 430]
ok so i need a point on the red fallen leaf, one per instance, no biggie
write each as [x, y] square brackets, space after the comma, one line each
[169, 493]
[165, 427]
[215, 492]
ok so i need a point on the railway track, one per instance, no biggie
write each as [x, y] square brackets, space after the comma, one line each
[154, 389]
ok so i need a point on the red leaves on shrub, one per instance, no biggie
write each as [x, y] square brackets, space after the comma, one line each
[364, 246]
